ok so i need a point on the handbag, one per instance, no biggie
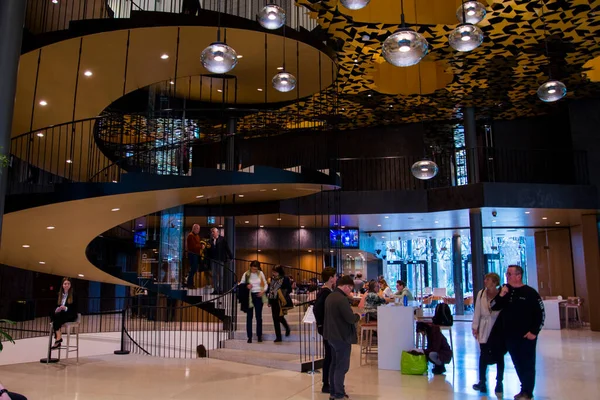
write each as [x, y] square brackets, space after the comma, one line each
[412, 363]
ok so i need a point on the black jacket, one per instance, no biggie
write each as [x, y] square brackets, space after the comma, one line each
[339, 322]
[523, 311]
[219, 251]
[319, 307]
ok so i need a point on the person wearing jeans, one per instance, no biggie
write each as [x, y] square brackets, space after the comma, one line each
[255, 281]
[522, 320]
[328, 276]
[339, 329]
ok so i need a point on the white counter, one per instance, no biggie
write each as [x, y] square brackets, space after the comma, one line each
[552, 310]
[395, 333]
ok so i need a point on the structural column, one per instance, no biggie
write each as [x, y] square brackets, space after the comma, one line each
[471, 144]
[591, 256]
[458, 275]
[12, 17]
[478, 267]
[434, 264]
[230, 165]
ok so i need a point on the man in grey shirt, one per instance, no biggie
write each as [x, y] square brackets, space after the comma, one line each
[359, 283]
[339, 329]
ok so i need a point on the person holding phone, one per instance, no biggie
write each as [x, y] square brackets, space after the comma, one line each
[522, 319]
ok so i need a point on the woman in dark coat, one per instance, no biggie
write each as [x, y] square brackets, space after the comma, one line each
[438, 350]
[279, 297]
[66, 310]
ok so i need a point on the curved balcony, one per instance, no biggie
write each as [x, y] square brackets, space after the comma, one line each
[45, 16]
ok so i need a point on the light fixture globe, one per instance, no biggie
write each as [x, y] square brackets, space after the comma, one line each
[284, 82]
[271, 17]
[474, 12]
[465, 37]
[219, 58]
[424, 169]
[404, 48]
[552, 91]
[355, 4]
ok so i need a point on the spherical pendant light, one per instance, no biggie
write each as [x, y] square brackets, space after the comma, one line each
[271, 17]
[404, 48]
[552, 91]
[424, 169]
[474, 12]
[284, 82]
[355, 4]
[465, 37]
[219, 58]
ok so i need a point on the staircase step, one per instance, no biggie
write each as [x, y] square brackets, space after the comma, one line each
[289, 362]
[266, 346]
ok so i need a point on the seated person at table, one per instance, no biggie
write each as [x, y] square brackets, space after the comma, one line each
[438, 350]
[385, 290]
[402, 290]
[371, 301]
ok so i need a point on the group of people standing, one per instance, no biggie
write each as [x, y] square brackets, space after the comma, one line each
[508, 319]
[209, 257]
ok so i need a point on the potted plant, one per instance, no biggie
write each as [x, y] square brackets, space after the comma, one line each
[3, 334]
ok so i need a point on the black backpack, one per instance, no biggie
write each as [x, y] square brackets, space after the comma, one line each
[443, 316]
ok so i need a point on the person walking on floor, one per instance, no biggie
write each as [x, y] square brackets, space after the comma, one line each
[328, 276]
[339, 329]
[256, 283]
[219, 254]
[487, 329]
[66, 310]
[279, 300]
[522, 320]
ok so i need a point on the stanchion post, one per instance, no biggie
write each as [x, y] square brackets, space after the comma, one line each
[122, 351]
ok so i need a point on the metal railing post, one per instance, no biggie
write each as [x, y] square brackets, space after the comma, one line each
[122, 350]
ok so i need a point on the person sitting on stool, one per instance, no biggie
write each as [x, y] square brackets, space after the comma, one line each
[65, 312]
[438, 350]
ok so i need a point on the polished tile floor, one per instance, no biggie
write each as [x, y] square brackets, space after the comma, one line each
[568, 368]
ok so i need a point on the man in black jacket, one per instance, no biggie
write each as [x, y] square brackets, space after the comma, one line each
[523, 318]
[339, 329]
[328, 276]
[219, 254]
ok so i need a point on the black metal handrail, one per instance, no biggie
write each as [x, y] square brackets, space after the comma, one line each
[44, 16]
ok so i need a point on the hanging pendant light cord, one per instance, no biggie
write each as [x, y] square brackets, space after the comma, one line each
[284, 48]
[546, 40]
[402, 23]
[464, 21]
[219, 22]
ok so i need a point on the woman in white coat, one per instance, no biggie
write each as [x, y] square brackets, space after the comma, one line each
[488, 332]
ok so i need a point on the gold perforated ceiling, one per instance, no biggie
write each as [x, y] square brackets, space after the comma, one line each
[500, 77]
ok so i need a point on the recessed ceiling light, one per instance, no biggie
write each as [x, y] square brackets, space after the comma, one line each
[115, 209]
[241, 56]
[493, 220]
[241, 195]
[262, 226]
[220, 226]
[49, 227]
[114, 181]
[383, 237]
[436, 222]
[278, 219]
[172, 82]
[310, 251]
[544, 217]
[331, 251]
[43, 103]
[391, 106]
[259, 251]
[368, 95]
[40, 134]
[275, 190]
[219, 90]
[263, 190]
[140, 225]
[280, 68]
[200, 196]
[356, 60]
[557, 223]
[164, 56]
[88, 73]
[302, 226]
[246, 222]
[386, 217]
[26, 246]
[343, 226]
[42, 262]
[80, 275]
[379, 225]
[259, 89]
[69, 161]
[527, 212]
[54, 1]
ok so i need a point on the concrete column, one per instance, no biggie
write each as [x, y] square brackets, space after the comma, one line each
[591, 256]
[230, 165]
[457, 269]
[12, 17]
[479, 269]
[471, 144]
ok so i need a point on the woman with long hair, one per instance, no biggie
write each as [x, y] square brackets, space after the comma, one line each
[256, 284]
[488, 332]
[66, 310]
[371, 300]
[278, 295]
[385, 290]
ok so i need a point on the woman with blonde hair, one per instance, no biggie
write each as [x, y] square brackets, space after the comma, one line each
[385, 290]
[66, 310]
[488, 332]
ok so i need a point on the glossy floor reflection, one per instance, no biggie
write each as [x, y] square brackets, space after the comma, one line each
[568, 367]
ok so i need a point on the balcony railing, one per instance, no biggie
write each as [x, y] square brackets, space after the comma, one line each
[49, 16]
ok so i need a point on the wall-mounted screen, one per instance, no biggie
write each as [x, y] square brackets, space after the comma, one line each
[139, 238]
[346, 238]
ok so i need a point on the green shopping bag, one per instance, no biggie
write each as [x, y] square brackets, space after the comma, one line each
[413, 363]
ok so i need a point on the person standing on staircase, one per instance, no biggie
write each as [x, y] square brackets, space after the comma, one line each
[219, 254]
[279, 300]
[194, 248]
[339, 329]
[255, 281]
[328, 276]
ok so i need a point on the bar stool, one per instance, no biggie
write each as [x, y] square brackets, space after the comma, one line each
[72, 328]
[366, 340]
[573, 303]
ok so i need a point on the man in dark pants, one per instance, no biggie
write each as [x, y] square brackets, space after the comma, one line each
[523, 318]
[339, 329]
[329, 277]
[219, 253]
